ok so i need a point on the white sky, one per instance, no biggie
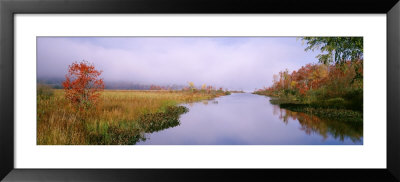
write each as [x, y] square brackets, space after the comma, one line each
[237, 63]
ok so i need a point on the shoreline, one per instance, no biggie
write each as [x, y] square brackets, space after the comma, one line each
[323, 112]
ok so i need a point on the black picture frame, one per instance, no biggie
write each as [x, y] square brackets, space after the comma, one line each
[9, 8]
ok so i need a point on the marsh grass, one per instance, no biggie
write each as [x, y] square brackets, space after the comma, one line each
[334, 109]
[122, 116]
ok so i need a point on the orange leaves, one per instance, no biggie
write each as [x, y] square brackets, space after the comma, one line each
[316, 76]
[82, 84]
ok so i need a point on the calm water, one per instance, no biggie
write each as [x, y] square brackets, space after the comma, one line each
[248, 119]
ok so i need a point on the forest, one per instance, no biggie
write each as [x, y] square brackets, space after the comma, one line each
[332, 88]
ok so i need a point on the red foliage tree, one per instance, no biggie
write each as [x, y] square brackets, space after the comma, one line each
[82, 85]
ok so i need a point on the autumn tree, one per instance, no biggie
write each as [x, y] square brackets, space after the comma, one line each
[203, 87]
[82, 84]
[339, 50]
[191, 86]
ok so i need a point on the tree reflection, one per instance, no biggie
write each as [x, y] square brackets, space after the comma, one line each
[314, 125]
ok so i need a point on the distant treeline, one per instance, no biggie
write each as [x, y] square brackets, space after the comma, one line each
[114, 85]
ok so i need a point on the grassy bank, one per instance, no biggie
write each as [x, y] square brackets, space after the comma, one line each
[333, 109]
[122, 116]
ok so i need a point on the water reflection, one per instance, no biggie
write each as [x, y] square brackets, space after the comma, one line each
[248, 119]
[325, 128]
[204, 102]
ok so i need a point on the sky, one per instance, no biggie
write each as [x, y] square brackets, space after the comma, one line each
[235, 63]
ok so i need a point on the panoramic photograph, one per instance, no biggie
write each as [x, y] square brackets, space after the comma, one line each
[199, 90]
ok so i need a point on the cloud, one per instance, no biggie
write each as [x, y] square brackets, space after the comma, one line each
[230, 62]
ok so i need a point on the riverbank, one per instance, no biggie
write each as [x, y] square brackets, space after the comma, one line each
[121, 117]
[333, 109]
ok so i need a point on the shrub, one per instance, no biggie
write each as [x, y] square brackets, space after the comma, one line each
[82, 84]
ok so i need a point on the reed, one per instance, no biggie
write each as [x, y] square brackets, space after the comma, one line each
[121, 116]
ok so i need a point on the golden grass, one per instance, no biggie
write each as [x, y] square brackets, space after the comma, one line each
[112, 121]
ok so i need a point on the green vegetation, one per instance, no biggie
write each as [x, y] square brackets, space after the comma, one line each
[236, 91]
[327, 112]
[336, 49]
